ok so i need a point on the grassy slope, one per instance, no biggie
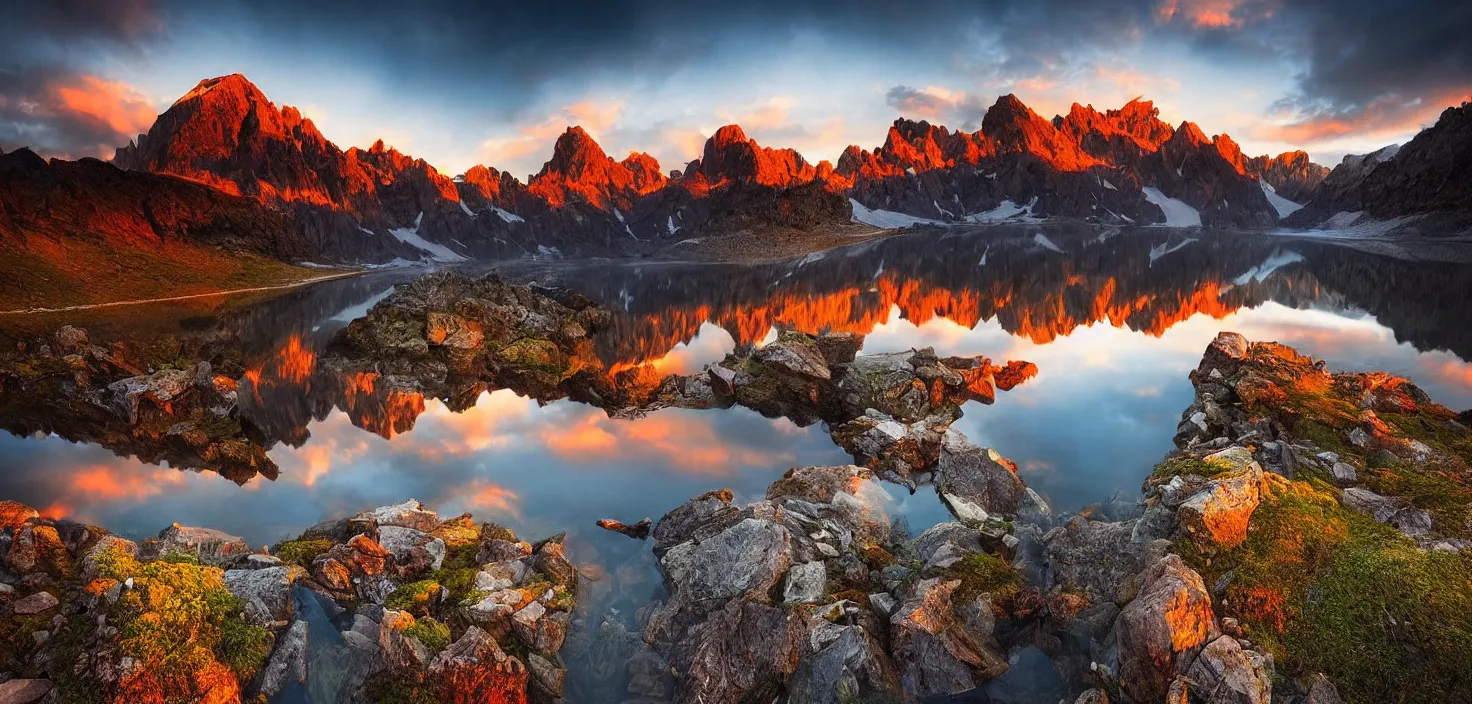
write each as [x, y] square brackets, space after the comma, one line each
[52, 274]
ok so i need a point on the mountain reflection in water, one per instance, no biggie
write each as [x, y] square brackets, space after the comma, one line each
[1113, 319]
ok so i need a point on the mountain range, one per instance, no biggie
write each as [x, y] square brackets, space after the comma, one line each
[225, 166]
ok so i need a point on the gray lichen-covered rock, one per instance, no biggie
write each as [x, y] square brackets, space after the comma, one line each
[270, 587]
[749, 556]
[804, 583]
[710, 512]
[1409, 520]
[1225, 673]
[415, 551]
[933, 654]
[747, 652]
[973, 478]
[288, 661]
[410, 514]
[210, 546]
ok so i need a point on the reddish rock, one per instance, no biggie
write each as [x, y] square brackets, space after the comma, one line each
[1162, 629]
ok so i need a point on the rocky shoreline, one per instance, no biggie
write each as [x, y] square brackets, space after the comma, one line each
[1307, 540]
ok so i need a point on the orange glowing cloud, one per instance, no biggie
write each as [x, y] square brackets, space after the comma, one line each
[1388, 116]
[119, 106]
[1201, 14]
[685, 442]
[483, 495]
[586, 438]
[537, 138]
[78, 115]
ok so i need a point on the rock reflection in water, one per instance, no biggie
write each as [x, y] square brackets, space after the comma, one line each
[1112, 318]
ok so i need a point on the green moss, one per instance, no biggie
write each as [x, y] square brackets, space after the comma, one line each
[1185, 464]
[412, 597]
[460, 582]
[181, 558]
[301, 552]
[181, 624]
[433, 634]
[495, 531]
[1439, 492]
[1329, 590]
[389, 688]
[461, 557]
[1323, 435]
[981, 573]
[1434, 432]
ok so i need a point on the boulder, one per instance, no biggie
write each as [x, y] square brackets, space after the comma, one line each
[415, 551]
[288, 661]
[932, 653]
[24, 691]
[794, 353]
[839, 348]
[210, 546]
[804, 583]
[34, 604]
[1392, 510]
[270, 587]
[943, 544]
[1162, 629]
[841, 663]
[1102, 559]
[410, 514]
[547, 678]
[1217, 516]
[475, 669]
[745, 652]
[497, 550]
[548, 558]
[749, 556]
[14, 514]
[1225, 673]
[708, 513]
[1322, 691]
[976, 481]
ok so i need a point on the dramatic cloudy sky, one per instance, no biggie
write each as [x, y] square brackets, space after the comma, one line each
[461, 82]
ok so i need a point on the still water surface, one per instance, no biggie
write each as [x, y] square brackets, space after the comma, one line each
[1113, 319]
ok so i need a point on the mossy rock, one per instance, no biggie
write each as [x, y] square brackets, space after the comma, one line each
[1325, 589]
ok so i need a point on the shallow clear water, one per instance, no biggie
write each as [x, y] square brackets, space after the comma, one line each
[1114, 320]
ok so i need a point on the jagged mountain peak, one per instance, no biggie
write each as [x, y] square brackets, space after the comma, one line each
[234, 84]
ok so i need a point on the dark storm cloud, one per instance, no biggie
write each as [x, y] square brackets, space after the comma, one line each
[521, 46]
[51, 31]
[1370, 65]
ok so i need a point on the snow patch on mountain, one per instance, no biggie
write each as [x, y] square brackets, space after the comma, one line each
[1284, 206]
[1177, 213]
[507, 215]
[436, 251]
[887, 219]
[1006, 210]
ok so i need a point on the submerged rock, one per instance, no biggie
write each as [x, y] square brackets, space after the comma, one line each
[637, 531]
